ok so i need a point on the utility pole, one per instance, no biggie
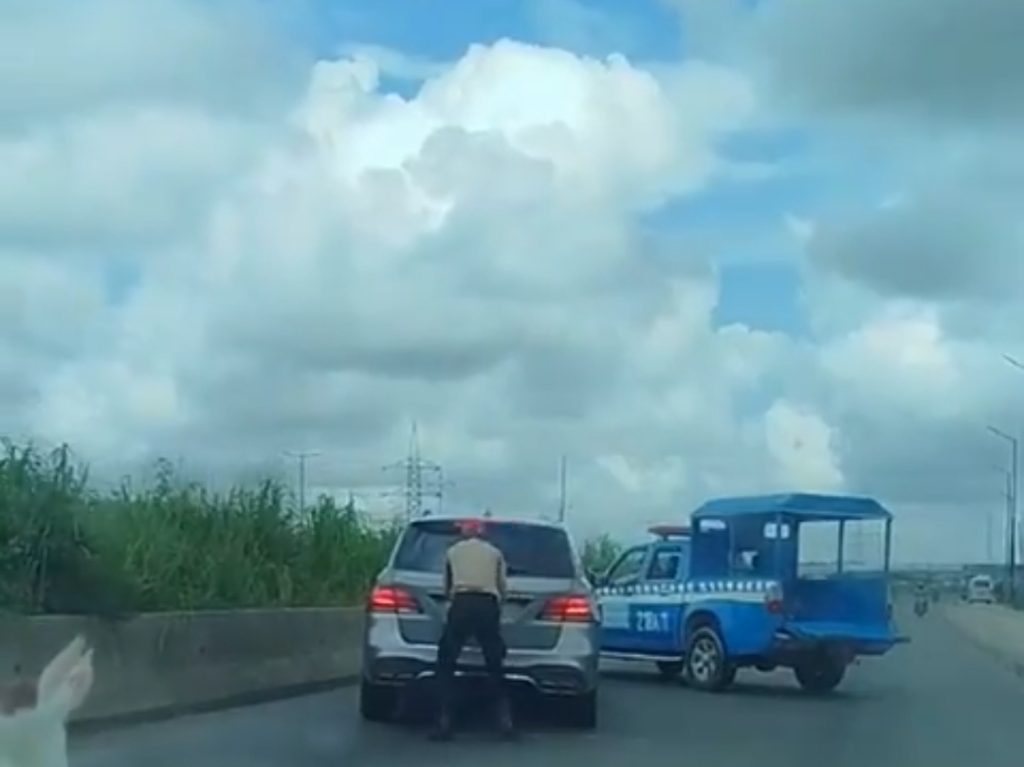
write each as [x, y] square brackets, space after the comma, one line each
[416, 487]
[561, 493]
[301, 458]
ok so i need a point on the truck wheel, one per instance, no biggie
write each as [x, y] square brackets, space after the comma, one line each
[376, 702]
[819, 674]
[707, 667]
[670, 669]
[581, 711]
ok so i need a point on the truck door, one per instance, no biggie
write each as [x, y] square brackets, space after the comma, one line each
[657, 605]
[614, 597]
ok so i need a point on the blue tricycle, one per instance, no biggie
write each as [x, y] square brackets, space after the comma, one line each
[759, 581]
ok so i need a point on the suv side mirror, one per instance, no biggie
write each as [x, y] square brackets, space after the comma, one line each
[596, 579]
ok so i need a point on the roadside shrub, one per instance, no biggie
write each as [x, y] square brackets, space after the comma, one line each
[600, 553]
[172, 545]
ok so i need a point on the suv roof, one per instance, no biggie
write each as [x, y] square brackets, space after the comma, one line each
[488, 520]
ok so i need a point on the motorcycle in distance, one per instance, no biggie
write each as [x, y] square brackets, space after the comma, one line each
[920, 602]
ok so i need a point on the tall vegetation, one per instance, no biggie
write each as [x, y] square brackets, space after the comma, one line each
[599, 553]
[172, 545]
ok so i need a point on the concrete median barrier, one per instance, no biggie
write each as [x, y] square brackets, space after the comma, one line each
[163, 664]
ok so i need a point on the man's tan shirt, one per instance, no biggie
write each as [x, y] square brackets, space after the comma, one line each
[476, 565]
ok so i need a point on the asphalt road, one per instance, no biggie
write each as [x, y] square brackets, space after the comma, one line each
[938, 701]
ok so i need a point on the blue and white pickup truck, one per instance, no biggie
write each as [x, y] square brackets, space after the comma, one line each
[730, 592]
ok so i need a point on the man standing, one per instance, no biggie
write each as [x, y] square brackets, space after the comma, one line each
[474, 581]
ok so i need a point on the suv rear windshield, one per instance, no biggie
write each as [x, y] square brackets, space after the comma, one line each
[530, 550]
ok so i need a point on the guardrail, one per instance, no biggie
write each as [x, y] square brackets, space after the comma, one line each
[167, 663]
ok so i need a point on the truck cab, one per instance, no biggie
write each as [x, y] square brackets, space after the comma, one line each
[641, 597]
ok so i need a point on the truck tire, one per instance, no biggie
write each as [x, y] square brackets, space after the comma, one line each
[820, 674]
[707, 667]
[376, 702]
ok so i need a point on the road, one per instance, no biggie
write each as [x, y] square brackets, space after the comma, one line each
[938, 701]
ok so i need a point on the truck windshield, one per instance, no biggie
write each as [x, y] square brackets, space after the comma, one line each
[530, 550]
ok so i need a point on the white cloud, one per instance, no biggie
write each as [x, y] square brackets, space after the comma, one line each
[800, 441]
[224, 57]
[116, 179]
[940, 64]
[467, 257]
[900, 357]
[599, 128]
[225, 266]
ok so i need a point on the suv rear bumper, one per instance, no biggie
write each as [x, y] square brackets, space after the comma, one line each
[568, 668]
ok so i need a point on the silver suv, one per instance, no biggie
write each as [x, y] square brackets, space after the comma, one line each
[549, 619]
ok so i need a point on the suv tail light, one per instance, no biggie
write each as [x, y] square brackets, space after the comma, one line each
[392, 599]
[568, 608]
[773, 599]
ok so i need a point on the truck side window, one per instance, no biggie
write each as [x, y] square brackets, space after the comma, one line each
[627, 569]
[664, 565]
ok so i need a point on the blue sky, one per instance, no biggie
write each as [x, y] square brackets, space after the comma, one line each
[760, 284]
[639, 29]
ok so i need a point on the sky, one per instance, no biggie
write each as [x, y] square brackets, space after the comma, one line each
[698, 248]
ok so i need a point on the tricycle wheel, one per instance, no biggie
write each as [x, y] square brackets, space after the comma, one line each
[820, 674]
[670, 669]
[707, 667]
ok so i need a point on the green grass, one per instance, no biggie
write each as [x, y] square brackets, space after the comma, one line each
[65, 548]
[600, 553]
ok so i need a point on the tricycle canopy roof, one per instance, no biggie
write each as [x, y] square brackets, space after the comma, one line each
[803, 506]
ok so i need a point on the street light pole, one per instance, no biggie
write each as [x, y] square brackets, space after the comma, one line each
[1013, 550]
[1007, 496]
[1014, 361]
[1009, 514]
[1013, 524]
[1011, 508]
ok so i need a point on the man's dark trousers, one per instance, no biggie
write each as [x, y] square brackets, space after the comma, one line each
[476, 615]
